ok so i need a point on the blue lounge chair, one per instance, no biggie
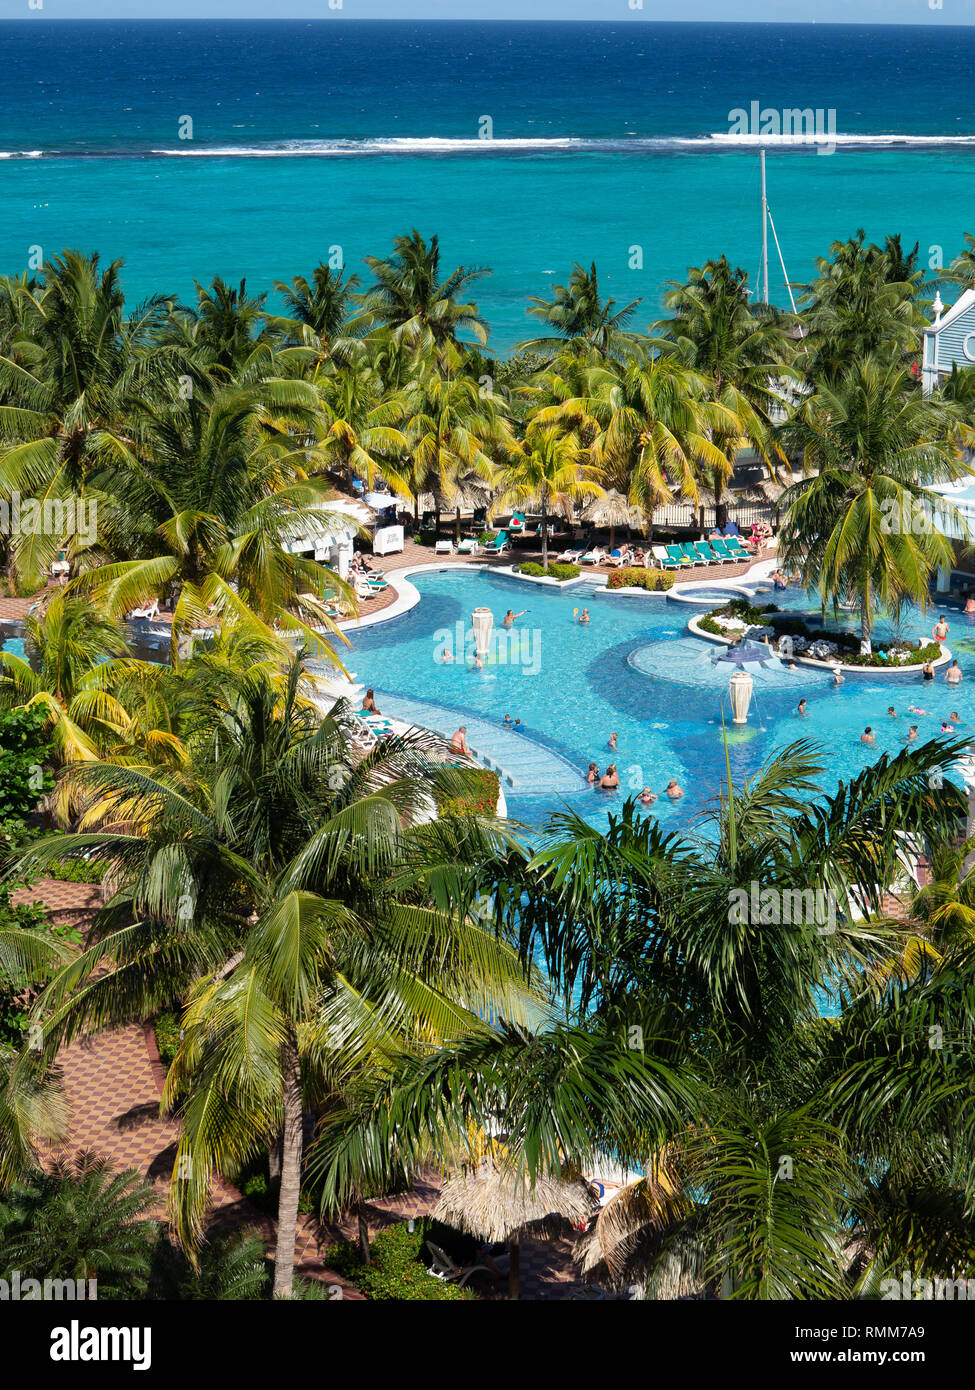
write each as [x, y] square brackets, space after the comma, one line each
[499, 545]
[689, 554]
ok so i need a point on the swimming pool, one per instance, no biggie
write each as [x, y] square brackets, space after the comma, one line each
[635, 671]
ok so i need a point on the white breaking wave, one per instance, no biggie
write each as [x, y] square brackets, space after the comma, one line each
[443, 145]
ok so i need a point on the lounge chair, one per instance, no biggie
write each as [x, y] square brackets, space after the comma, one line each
[706, 553]
[150, 611]
[517, 522]
[479, 519]
[737, 550]
[594, 557]
[499, 545]
[364, 592]
[720, 549]
[674, 552]
[570, 557]
[661, 560]
[618, 558]
[444, 548]
[444, 1268]
[689, 553]
[469, 547]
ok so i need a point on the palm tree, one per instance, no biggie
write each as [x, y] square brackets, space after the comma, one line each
[581, 317]
[76, 656]
[80, 1220]
[552, 471]
[862, 528]
[361, 429]
[73, 406]
[417, 304]
[455, 434]
[962, 269]
[742, 353]
[210, 518]
[658, 436]
[292, 898]
[323, 307]
[864, 302]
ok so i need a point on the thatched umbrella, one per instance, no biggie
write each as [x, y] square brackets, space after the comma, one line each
[495, 1205]
[465, 494]
[612, 510]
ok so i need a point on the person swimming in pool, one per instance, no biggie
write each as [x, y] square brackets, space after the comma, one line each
[609, 780]
[891, 712]
[674, 789]
[613, 738]
[927, 671]
[911, 734]
[584, 616]
[955, 717]
[509, 617]
[953, 674]
[647, 797]
[507, 719]
[592, 776]
[868, 735]
[801, 709]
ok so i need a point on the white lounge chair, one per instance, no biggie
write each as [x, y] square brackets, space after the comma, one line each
[445, 1269]
[151, 611]
[570, 557]
[619, 558]
[661, 560]
[593, 557]
[469, 547]
[444, 548]
[364, 591]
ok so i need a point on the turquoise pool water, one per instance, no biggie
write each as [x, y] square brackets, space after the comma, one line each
[13, 645]
[635, 671]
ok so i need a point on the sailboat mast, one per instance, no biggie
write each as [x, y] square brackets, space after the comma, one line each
[764, 232]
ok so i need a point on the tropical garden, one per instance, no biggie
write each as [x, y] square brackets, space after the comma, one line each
[361, 971]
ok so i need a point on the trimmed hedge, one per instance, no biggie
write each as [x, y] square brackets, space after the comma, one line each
[651, 580]
[551, 571]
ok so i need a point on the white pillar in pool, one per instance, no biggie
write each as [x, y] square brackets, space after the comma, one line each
[482, 620]
[944, 579]
[740, 691]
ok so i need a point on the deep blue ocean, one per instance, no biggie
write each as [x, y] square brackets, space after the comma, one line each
[607, 146]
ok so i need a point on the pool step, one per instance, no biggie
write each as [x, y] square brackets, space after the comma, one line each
[522, 763]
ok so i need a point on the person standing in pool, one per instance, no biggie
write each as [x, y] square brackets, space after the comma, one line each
[674, 789]
[510, 617]
[911, 734]
[868, 735]
[801, 709]
[613, 738]
[609, 780]
[927, 671]
[584, 616]
[940, 630]
[592, 777]
[953, 674]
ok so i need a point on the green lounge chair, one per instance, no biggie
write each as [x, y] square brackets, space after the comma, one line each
[499, 545]
[685, 549]
[662, 560]
[674, 552]
[706, 553]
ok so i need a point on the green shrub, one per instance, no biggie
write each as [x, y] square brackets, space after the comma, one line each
[480, 797]
[708, 624]
[652, 580]
[75, 871]
[398, 1270]
[550, 571]
[166, 1028]
[24, 748]
[486, 537]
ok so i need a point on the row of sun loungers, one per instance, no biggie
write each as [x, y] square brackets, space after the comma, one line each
[689, 554]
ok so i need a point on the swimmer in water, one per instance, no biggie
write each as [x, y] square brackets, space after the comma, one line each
[584, 616]
[801, 709]
[911, 734]
[891, 712]
[868, 735]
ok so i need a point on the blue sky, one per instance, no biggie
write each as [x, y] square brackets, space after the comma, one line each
[823, 11]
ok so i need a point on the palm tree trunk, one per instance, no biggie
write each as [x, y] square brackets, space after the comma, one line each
[284, 1250]
[865, 647]
[515, 1253]
[362, 1222]
[457, 525]
[544, 534]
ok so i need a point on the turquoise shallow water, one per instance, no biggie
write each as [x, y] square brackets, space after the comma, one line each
[308, 137]
[635, 671]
